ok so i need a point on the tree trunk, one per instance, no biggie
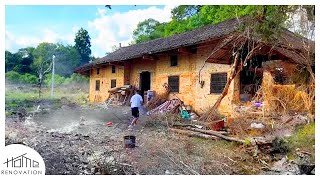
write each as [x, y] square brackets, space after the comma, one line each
[234, 71]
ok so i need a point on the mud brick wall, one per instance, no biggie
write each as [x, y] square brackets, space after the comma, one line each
[203, 99]
[105, 76]
[138, 66]
[190, 90]
[186, 72]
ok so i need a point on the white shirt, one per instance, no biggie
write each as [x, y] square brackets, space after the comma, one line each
[136, 100]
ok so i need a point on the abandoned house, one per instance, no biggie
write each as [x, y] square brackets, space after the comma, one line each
[196, 66]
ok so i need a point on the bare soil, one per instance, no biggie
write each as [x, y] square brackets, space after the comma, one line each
[95, 148]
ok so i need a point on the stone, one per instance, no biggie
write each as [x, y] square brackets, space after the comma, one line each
[257, 125]
[313, 171]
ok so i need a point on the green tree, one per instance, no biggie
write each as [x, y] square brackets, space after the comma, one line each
[147, 30]
[26, 60]
[82, 44]
[10, 61]
[185, 11]
[67, 58]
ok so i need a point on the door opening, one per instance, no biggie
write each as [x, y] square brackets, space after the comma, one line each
[251, 78]
[144, 83]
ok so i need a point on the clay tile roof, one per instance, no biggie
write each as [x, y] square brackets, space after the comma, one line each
[168, 43]
[185, 39]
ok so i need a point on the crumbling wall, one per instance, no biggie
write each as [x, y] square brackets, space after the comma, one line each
[105, 76]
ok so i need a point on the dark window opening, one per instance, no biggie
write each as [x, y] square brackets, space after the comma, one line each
[113, 83]
[98, 71]
[174, 60]
[218, 82]
[113, 69]
[97, 85]
[173, 82]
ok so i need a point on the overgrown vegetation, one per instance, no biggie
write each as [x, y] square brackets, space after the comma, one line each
[303, 139]
[15, 77]
[189, 17]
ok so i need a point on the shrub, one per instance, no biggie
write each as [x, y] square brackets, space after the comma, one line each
[21, 78]
[58, 80]
[13, 76]
[28, 78]
[76, 78]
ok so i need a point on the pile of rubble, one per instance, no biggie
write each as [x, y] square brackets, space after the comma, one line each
[120, 95]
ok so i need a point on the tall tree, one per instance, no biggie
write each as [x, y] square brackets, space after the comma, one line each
[147, 30]
[82, 44]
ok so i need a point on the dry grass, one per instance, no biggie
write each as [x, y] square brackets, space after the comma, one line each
[240, 126]
[186, 155]
[286, 98]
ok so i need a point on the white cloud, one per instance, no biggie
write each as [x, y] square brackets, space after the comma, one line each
[101, 11]
[13, 42]
[110, 30]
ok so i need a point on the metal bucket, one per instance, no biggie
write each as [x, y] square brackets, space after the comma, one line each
[129, 141]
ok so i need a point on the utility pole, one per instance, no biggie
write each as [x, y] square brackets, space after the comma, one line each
[52, 78]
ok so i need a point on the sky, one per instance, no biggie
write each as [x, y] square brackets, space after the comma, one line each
[29, 25]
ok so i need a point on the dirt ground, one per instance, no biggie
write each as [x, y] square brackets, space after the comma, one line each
[91, 147]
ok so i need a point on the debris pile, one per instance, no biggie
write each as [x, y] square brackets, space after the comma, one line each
[120, 95]
[170, 106]
[158, 99]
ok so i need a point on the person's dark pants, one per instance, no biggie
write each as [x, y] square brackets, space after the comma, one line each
[135, 112]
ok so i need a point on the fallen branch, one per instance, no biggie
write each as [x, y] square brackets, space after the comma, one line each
[189, 168]
[210, 132]
[192, 134]
[218, 135]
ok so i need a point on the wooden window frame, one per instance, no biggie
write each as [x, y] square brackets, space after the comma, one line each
[217, 86]
[97, 85]
[113, 69]
[174, 88]
[172, 60]
[98, 70]
[113, 82]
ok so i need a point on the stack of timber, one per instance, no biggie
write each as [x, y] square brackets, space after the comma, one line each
[121, 95]
[171, 106]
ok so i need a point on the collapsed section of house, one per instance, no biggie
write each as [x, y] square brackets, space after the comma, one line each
[210, 69]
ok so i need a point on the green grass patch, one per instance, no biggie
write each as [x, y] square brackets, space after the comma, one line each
[304, 139]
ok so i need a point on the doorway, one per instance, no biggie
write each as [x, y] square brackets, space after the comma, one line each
[145, 81]
[251, 78]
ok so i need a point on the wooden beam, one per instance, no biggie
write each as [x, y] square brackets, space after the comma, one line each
[219, 61]
[116, 63]
[150, 57]
[187, 50]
